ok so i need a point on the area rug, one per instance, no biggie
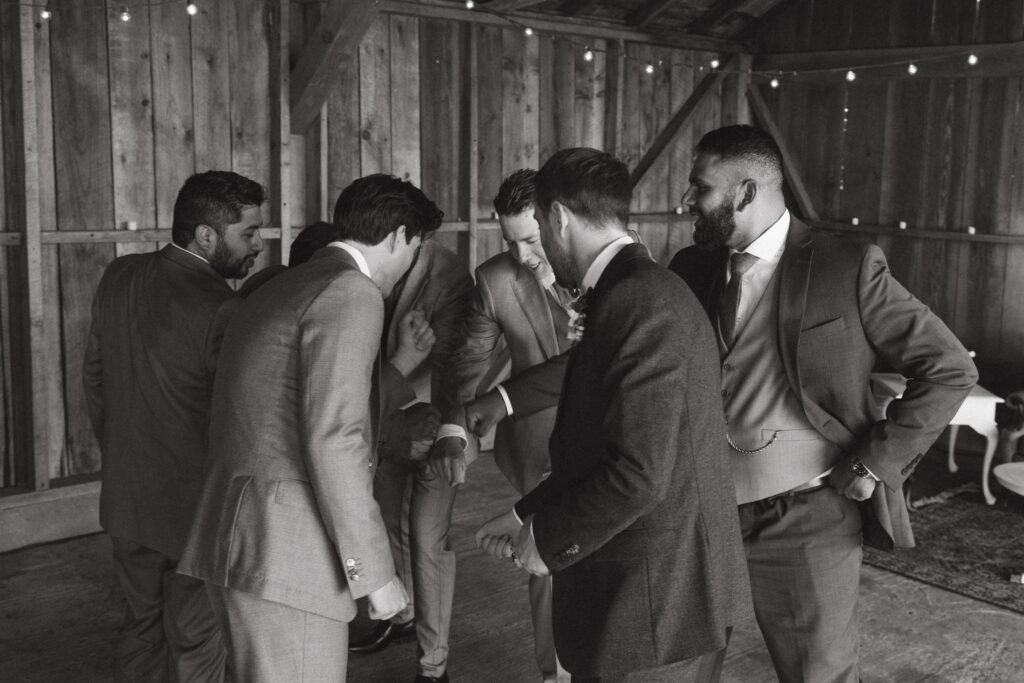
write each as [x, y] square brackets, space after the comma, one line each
[965, 546]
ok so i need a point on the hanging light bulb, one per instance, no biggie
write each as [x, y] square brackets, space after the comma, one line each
[45, 13]
[125, 14]
[972, 60]
[470, 4]
[191, 9]
[528, 31]
[850, 76]
[649, 68]
[912, 69]
[715, 63]
[588, 55]
[774, 83]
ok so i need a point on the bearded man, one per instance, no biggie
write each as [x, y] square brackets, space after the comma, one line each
[801, 319]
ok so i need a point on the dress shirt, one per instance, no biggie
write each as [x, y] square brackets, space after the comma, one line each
[768, 248]
[596, 268]
[360, 260]
[191, 253]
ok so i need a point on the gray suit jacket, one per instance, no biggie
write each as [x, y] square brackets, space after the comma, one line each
[157, 324]
[510, 312]
[840, 311]
[287, 512]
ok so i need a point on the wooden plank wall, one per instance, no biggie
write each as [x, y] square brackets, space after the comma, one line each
[937, 153]
[126, 111]
[536, 94]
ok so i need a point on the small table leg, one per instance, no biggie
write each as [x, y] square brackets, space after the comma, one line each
[953, 431]
[991, 435]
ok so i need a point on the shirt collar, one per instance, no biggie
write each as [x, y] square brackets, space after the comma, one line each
[357, 255]
[596, 268]
[191, 253]
[548, 281]
[769, 245]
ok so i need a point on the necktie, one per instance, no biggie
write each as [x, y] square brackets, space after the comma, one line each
[739, 264]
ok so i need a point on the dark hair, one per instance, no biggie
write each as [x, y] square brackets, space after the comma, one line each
[375, 205]
[517, 193]
[309, 239]
[592, 184]
[214, 198]
[744, 143]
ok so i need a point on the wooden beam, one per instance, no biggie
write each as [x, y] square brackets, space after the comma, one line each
[279, 15]
[995, 60]
[917, 233]
[790, 166]
[474, 150]
[676, 123]
[590, 27]
[335, 40]
[512, 5]
[767, 16]
[643, 15]
[719, 11]
[577, 8]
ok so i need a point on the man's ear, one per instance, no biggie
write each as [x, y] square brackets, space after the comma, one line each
[206, 236]
[560, 215]
[746, 194]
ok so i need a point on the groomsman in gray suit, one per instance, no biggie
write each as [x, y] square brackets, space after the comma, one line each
[288, 534]
[517, 311]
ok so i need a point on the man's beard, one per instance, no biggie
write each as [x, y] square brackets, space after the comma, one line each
[563, 266]
[714, 228]
[228, 266]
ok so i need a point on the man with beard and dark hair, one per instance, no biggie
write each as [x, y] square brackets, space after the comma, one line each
[801, 319]
[157, 323]
[636, 522]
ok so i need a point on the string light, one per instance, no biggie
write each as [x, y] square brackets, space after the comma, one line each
[850, 76]
[45, 13]
[912, 69]
[972, 60]
[774, 83]
[125, 14]
[588, 55]
[715, 63]
[649, 68]
[528, 31]
[470, 4]
[191, 9]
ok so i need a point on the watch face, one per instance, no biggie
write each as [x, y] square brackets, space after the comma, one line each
[858, 468]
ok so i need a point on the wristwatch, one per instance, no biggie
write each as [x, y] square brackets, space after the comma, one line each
[858, 468]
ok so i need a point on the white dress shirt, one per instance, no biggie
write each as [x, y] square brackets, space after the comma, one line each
[360, 260]
[768, 248]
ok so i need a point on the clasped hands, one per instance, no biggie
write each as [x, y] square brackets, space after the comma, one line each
[495, 538]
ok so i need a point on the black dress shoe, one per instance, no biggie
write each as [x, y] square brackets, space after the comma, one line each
[443, 678]
[382, 634]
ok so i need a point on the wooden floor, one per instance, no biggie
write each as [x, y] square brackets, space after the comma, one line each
[60, 605]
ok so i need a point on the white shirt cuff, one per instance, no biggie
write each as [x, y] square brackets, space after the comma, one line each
[516, 515]
[446, 430]
[504, 397]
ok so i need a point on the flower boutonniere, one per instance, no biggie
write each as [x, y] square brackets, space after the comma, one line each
[577, 317]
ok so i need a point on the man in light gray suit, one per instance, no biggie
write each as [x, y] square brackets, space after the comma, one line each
[288, 534]
[517, 311]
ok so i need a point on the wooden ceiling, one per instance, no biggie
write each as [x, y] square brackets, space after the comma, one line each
[729, 19]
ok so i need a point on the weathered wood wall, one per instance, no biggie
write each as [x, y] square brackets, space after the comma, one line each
[126, 111]
[940, 154]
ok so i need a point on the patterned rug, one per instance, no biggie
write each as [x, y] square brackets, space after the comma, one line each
[965, 546]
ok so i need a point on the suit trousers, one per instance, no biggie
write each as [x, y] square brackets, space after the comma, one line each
[269, 642]
[169, 632]
[706, 668]
[417, 510]
[804, 555]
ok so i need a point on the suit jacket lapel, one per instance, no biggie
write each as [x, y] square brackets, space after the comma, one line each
[535, 304]
[795, 270]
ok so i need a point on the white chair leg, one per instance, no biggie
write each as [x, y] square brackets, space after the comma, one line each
[991, 439]
[953, 431]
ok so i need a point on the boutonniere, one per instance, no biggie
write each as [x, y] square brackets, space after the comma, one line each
[577, 317]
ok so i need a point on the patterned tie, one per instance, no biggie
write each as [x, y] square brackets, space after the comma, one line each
[739, 264]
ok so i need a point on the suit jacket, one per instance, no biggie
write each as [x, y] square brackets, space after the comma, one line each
[510, 313]
[287, 512]
[157, 324]
[839, 311]
[637, 520]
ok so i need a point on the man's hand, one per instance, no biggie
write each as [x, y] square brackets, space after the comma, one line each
[415, 340]
[421, 423]
[388, 600]
[448, 460]
[844, 480]
[484, 412]
[526, 551]
[496, 536]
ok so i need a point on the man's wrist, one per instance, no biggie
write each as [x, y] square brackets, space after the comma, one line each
[452, 430]
[860, 470]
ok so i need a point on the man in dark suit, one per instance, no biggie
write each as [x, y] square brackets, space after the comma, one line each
[157, 323]
[636, 521]
[519, 317]
[288, 534]
[801, 319]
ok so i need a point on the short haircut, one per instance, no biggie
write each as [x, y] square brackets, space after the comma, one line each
[592, 184]
[747, 144]
[311, 238]
[517, 193]
[374, 206]
[213, 198]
